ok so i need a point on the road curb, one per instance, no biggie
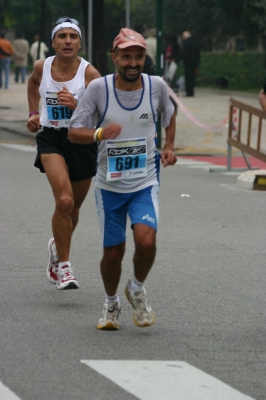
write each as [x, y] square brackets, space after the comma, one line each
[249, 180]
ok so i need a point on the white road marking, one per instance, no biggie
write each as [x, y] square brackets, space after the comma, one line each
[6, 394]
[192, 162]
[201, 166]
[205, 165]
[167, 380]
[22, 147]
[232, 172]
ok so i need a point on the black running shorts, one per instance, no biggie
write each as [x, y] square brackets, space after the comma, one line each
[80, 158]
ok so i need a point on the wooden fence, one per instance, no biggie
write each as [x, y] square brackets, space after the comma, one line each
[245, 130]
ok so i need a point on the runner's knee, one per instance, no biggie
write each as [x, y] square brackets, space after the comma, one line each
[114, 254]
[65, 204]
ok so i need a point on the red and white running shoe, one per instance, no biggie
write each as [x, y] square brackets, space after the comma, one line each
[52, 267]
[66, 279]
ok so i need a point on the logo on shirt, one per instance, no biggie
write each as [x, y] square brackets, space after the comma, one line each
[144, 116]
[126, 151]
[148, 218]
[50, 101]
[54, 123]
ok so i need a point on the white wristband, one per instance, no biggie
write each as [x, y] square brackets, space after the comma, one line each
[95, 135]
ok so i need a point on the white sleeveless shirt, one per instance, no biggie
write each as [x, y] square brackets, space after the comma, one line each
[54, 115]
[131, 162]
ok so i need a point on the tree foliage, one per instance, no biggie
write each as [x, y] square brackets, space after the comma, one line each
[213, 22]
[33, 18]
[28, 16]
[259, 15]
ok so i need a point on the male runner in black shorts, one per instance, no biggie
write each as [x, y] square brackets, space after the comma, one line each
[60, 82]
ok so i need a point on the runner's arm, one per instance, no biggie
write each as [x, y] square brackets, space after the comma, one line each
[262, 100]
[86, 135]
[168, 156]
[34, 81]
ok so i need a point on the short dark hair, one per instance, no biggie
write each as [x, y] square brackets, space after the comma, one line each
[59, 20]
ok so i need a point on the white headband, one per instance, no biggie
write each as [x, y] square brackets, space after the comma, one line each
[66, 25]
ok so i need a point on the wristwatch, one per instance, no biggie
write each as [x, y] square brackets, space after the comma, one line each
[76, 99]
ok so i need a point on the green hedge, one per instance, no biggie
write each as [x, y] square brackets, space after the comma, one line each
[242, 70]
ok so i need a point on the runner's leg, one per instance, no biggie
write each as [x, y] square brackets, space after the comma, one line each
[58, 177]
[80, 190]
[111, 266]
[145, 250]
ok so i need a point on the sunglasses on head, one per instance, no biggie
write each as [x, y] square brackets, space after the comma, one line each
[66, 19]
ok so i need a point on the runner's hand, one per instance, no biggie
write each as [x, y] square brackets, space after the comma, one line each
[66, 98]
[33, 123]
[111, 131]
[168, 157]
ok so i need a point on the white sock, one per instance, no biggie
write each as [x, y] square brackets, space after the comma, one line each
[62, 264]
[112, 299]
[136, 286]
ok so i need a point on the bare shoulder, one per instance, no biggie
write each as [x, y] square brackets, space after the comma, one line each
[36, 74]
[91, 73]
[38, 66]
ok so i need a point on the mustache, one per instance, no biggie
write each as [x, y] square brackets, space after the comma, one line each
[136, 68]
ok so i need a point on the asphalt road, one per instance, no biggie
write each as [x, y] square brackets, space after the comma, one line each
[8, 137]
[207, 288]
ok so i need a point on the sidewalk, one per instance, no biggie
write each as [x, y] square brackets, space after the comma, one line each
[209, 107]
[14, 108]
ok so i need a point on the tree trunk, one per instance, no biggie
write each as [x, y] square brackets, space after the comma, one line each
[99, 56]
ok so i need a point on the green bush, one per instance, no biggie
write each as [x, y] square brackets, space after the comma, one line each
[242, 70]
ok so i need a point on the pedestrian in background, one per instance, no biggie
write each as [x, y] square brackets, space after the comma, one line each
[149, 67]
[190, 54]
[35, 47]
[171, 55]
[60, 81]
[127, 105]
[21, 46]
[151, 43]
[6, 51]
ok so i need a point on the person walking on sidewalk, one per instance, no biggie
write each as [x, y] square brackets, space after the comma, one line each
[6, 51]
[37, 45]
[60, 81]
[151, 43]
[190, 55]
[21, 46]
[127, 105]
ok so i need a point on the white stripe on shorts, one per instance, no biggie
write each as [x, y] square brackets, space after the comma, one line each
[99, 205]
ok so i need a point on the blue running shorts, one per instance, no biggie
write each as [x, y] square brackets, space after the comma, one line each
[142, 207]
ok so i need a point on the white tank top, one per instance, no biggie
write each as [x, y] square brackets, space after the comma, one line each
[131, 162]
[54, 115]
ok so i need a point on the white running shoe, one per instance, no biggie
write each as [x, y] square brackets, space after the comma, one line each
[143, 315]
[110, 316]
[66, 279]
[52, 267]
